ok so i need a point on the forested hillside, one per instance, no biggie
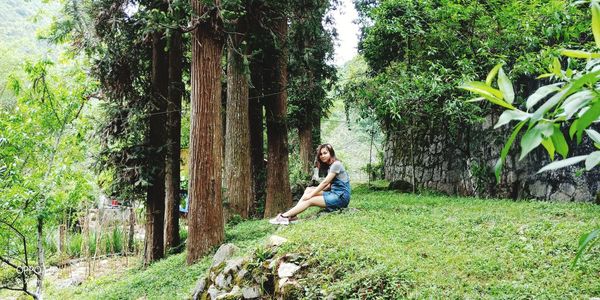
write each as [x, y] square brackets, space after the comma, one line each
[20, 22]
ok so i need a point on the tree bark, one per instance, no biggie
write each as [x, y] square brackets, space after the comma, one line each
[238, 182]
[279, 196]
[41, 259]
[305, 134]
[255, 111]
[155, 195]
[206, 227]
[172, 165]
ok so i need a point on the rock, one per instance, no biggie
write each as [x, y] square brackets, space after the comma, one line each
[275, 241]
[538, 189]
[214, 292]
[224, 253]
[401, 185]
[233, 265]
[287, 270]
[223, 281]
[567, 188]
[282, 282]
[251, 292]
[583, 194]
[235, 293]
[199, 289]
[288, 288]
[242, 273]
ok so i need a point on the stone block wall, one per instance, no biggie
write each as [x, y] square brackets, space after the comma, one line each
[462, 164]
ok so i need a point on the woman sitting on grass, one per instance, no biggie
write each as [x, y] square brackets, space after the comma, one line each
[335, 198]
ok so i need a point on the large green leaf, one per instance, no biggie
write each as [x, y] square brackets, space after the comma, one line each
[592, 160]
[556, 67]
[559, 141]
[506, 148]
[585, 241]
[579, 54]
[594, 135]
[563, 163]
[478, 86]
[554, 100]
[506, 87]
[572, 87]
[573, 129]
[542, 93]
[492, 74]
[487, 92]
[509, 115]
[575, 102]
[596, 22]
[587, 118]
[549, 146]
[534, 137]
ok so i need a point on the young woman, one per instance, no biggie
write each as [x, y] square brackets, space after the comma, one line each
[338, 196]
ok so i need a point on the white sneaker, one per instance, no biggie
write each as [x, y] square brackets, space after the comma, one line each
[280, 220]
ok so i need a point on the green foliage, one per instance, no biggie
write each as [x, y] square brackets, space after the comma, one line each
[310, 73]
[570, 101]
[44, 171]
[418, 51]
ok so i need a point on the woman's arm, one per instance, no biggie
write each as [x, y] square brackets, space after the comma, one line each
[321, 186]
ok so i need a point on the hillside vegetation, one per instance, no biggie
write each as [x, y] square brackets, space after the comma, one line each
[20, 21]
[398, 245]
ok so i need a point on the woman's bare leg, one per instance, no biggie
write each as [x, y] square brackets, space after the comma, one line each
[309, 190]
[303, 205]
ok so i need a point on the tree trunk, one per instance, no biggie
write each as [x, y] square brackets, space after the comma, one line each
[155, 196]
[279, 196]
[206, 227]
[40, 256]
[255, 111]
[305, 134]
[237, 137]
[172, 165]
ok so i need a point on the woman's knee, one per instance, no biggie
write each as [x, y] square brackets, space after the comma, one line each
[309, 189]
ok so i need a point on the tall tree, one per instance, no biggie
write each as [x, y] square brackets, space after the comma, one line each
[238, 174]
[172, 166]
[279, 196]
[310, 74]
[256, 40]
[178, 14]
[206, 227]
[155, 195]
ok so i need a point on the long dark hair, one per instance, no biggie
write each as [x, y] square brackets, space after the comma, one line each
[321, 165]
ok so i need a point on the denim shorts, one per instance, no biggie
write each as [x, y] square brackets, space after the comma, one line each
[334, 201]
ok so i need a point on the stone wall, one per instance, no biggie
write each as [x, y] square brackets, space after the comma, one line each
[462, 163]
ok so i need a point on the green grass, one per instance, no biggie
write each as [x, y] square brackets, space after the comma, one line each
[407, 246]
[464, 247]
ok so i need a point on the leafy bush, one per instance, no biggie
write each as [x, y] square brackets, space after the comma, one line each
[571, 101]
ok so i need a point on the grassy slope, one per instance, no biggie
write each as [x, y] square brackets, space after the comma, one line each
[440, 246]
